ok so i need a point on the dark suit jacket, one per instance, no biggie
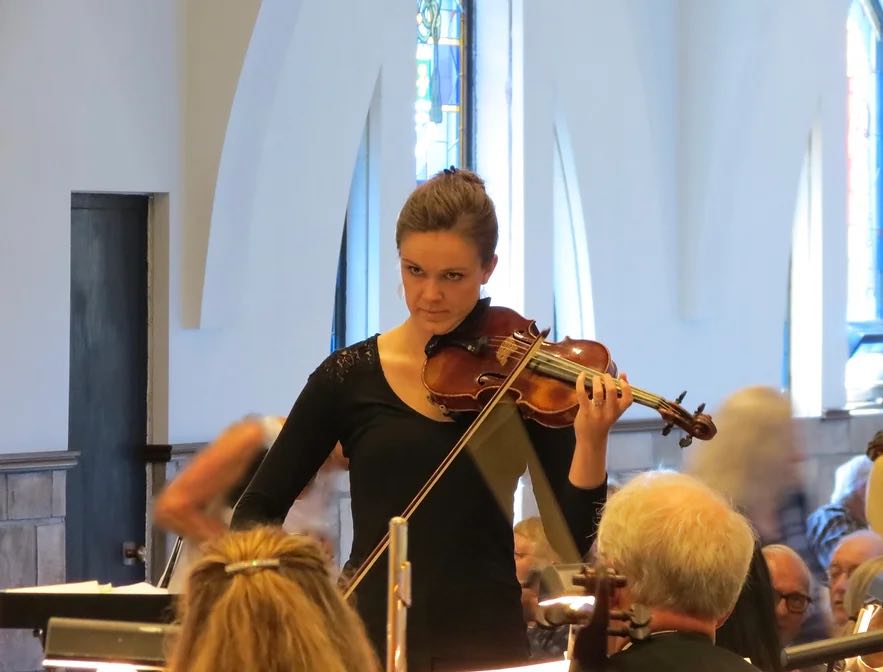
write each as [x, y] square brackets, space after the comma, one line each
[677, 652]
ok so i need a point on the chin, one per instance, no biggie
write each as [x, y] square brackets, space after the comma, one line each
[437, 327]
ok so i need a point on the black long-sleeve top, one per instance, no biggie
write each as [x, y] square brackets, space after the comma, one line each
[466, 610]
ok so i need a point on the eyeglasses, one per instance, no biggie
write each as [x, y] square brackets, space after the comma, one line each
[797, 603]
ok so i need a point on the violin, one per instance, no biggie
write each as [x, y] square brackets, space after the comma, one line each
[464, 368]
[595, 623]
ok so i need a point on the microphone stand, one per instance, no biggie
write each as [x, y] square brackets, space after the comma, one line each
[831, 650]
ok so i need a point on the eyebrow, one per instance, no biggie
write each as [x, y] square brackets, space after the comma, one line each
[452, 269]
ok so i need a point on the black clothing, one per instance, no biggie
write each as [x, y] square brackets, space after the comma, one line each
[466, 600]
[751, 630]
[677, 652]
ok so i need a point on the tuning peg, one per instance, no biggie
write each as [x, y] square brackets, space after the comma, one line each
[700, 409]
[685, 441]
[667, 428]
[681, 396]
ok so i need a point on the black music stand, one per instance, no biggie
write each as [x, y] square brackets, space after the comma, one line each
[22, 610]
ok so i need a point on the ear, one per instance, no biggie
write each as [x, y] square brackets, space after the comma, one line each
[488, 270]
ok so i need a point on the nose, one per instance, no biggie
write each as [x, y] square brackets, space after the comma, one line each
[432, 290]
[838, 586]
[781, 608]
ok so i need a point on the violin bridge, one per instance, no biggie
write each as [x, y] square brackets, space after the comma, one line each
[507, 349]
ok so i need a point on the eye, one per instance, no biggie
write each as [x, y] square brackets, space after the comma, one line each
[414, 270]
[453, 275]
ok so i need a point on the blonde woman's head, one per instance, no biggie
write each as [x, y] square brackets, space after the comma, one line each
[264, 600]
[754, 456]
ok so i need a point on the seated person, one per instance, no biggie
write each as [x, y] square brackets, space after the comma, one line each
[533, 554]
[851, 552]
[263, 601]
[792, 583]
[864, 588]
[750, 630]
[685, 553]
[845, 513]
[198, 504]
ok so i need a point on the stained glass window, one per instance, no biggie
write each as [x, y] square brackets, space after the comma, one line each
[862, 149]
[439, 110]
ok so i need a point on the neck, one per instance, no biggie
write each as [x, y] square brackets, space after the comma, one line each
[412, 339]
[664, 619]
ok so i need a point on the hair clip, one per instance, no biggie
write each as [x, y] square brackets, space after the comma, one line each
[265, 563]
[451, 170]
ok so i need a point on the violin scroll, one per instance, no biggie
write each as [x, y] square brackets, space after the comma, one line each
[697, 424]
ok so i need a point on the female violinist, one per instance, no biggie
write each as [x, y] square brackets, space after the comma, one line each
[466, 601]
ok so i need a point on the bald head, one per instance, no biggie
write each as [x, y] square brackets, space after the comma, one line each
[852, 551]
[791, 581]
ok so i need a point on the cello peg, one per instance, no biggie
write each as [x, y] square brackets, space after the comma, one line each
[667, 429]
[685, 441]
[700, 409]
[680, 397]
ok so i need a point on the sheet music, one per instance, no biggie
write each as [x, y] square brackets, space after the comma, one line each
[88, 587]
[142, 588]
[93, 588]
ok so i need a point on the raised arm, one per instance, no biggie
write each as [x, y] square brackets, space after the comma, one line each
[186, 505]
[574, 467]
[305, 442]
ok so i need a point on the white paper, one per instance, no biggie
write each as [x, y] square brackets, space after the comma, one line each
[88, 587]
[142, 588]
[93, 588]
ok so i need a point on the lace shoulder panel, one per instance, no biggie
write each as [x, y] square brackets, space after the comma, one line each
[362, 356]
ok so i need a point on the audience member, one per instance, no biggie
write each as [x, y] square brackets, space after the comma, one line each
[533, 554]
[263, 601]
[685, 553]
[751, 631]
[852, 551]
[845, 513]
[792, 585]
[863, 587]
[754, 462]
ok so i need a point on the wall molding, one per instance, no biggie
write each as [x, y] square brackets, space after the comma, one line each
[42, 461]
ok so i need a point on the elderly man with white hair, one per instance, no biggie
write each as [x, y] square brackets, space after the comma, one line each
[845, 513]
[685, 553]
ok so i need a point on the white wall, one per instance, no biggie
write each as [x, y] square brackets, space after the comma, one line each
[89, 100]
[686, 123]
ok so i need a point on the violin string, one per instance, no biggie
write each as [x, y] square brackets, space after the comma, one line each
[572, 369]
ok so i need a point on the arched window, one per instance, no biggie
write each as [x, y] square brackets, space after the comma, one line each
[444, 138]
[441, 107]
[864, 370]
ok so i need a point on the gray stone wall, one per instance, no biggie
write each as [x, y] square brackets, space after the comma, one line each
[32, 509]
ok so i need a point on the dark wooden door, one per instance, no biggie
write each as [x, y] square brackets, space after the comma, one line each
[106, 492]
